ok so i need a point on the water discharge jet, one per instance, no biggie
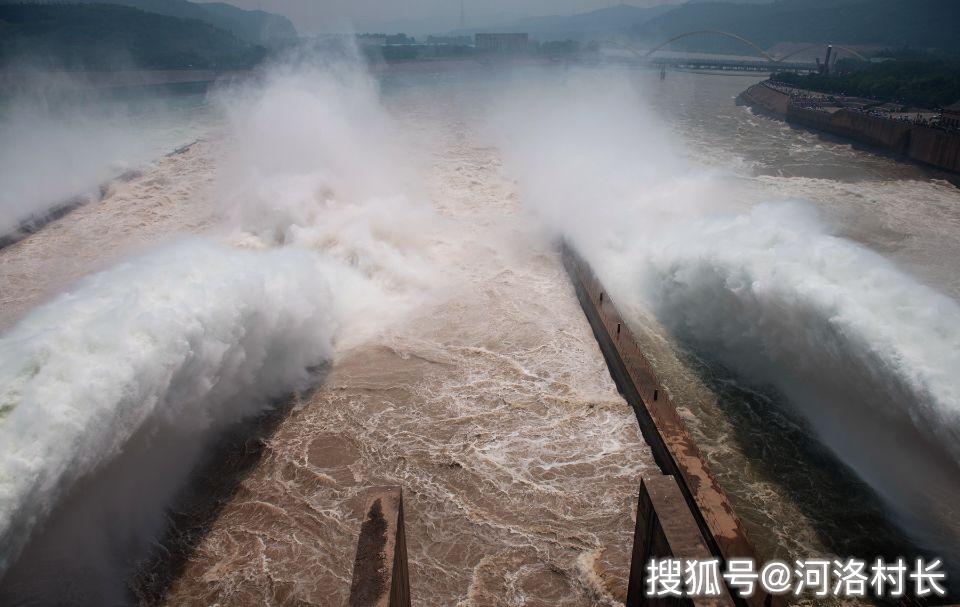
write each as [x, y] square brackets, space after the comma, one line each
[492, 393]
[852, 344]
[118, 387]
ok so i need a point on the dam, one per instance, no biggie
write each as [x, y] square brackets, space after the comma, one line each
[465, 366]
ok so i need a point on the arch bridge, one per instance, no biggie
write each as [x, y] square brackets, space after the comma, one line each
[821, 45]
[762, 53]
[741, 39]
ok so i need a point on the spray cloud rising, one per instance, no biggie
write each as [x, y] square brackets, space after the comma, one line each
[59, 142]
[110, 393]
[140, 367]
[870, 357]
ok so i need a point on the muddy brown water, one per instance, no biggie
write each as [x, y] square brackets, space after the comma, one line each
[493, 409]
[492, 406]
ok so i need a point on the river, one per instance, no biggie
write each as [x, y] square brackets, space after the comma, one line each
[792, 292]
[791, 489]
[455, 360]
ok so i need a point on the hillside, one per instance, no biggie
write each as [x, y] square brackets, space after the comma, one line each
[109, 37]
[931, 24]
[256, 27]
[592, 25]
[736, 1]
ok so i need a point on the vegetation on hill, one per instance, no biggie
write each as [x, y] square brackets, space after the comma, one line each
[109, 37]
[256, 27]
[908, 77]
[600, 23]
[929, 24]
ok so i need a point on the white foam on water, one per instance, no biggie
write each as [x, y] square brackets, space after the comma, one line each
[185, 340]
[112, 393]
[57, 144]
[317, 162]
[868, 355]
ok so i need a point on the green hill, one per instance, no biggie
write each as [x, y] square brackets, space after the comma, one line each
[109, 37]
[254, 26]
[257, 27]
[913, 79]
[929, 24]
[597, 24]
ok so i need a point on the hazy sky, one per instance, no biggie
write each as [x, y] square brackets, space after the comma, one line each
[419, 16]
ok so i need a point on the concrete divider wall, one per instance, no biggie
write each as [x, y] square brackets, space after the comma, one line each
[881, 132]
[765, 98]
[380, 572]
[664, 431]
[938, 148]
[665, 528]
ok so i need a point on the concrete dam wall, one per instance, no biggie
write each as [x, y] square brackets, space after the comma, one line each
[765, 99]
[887, 134]
[935, 147]
[940, 149]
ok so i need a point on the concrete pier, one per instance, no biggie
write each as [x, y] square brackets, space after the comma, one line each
[380, 573]
[671, 443]
[666, 529]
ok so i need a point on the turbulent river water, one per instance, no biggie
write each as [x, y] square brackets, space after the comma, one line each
[790, 419]
[794, 293]
[387, 252]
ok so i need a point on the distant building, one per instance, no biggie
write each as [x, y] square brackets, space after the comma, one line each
[503, 43]
[450, 40]
[400, 39]
[951, 116]
[372, 39]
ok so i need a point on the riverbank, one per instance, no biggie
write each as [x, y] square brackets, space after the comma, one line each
[937, 148]
[80, 82]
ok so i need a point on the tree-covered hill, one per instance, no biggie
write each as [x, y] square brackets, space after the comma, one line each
[109, 37]
[929, 24]
[600, 23]
[257, 27]
[254, 26]
[910, 78]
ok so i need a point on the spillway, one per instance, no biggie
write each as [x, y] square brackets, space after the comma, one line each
[492, 408]
[460, 365]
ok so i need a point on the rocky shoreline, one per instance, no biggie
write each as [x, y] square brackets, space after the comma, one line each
[924, 144]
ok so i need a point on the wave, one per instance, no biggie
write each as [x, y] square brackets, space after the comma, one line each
[869, 356]
[186, 340]
[113, 393]
[865, 352]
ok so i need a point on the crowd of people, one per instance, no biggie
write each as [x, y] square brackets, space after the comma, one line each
[814, 100]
